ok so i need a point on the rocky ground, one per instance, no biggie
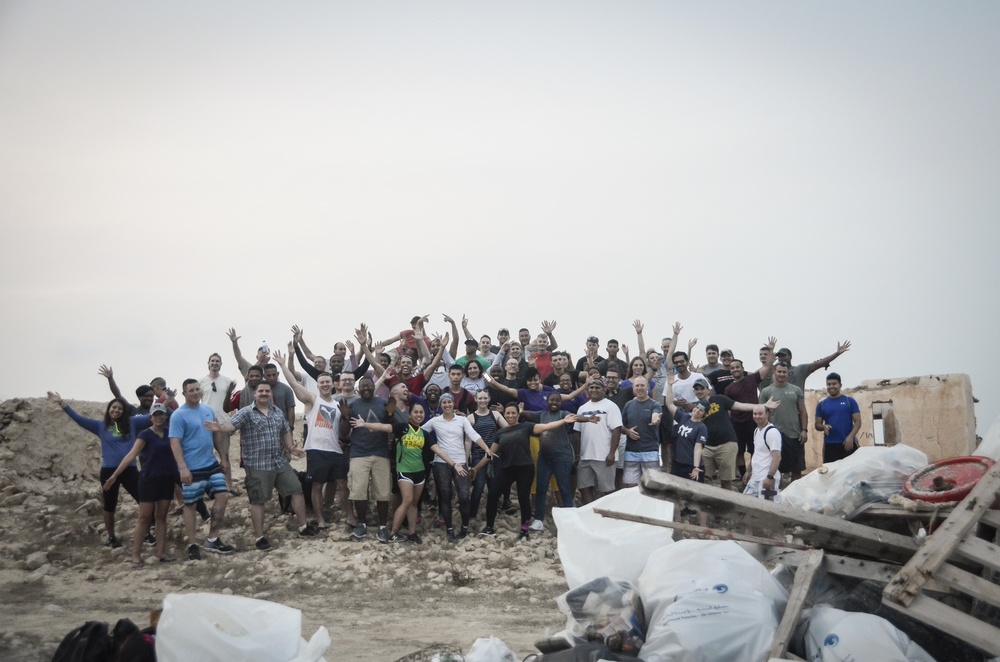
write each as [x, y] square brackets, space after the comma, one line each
[379, 602]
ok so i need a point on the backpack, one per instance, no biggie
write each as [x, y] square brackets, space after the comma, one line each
[91, 642]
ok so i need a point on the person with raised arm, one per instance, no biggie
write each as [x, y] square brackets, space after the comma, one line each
[117, 434]
[157, 480]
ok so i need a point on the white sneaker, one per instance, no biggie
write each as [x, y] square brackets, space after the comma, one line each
[537, 525]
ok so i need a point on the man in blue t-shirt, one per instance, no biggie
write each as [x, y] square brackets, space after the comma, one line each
[193, 445]
[838, 417]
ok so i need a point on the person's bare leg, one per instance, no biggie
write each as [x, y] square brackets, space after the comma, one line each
[257, 519]
[317, 501]
[109, 523]
[299, 508]
[141, 528]
[189, 529]
[382, 508]
[345, 503]
[218, 513]
[160, 519]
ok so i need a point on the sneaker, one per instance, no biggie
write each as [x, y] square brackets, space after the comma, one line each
[262, 544]
[464, 531]
[397, 538]
[414, 538]
[510, 509]
[360, 532]
[383, 534]
[451, 535]
[524, 535]
[194, 554]
[150, 539]
[537, 525]
[218, 547]
[308, 531]
[113, 542]
[489, 531]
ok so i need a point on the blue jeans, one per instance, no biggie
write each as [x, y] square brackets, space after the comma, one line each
[546, 469]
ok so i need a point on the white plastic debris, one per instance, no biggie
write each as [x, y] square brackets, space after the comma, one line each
[707, 601]
[591, 546]
[196, 627]
[842, 488]
[490, 649]
[827, 634]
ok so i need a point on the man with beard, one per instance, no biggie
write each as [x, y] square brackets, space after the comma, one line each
[326, 466]
[791, 420]
[838, 417]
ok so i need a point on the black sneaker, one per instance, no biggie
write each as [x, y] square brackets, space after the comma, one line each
[262, 544]
[510, 509]
[360, 532]
[464, 531]
[524, 534]
[414, 538]
[218, 547]
[451, 535]
[150, 539]
[383, 534]
[396, 538]
[113, 542]
[308, 531]
[489, 531]
[194, 554]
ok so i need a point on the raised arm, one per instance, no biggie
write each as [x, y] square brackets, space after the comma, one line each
[767, 361]
[672, 347]
[361, 333]
[301, 392]
[547, 328]
[105, 371]
[465, 328]
[454, 335]
[429, 370]
[827, 360]
[241, 362]
[422, 351]
[668, 394]
[637, 325]
[299, 338]
[88, 424]
[582, 388]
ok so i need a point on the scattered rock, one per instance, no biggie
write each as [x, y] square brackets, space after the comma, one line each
[36, 560]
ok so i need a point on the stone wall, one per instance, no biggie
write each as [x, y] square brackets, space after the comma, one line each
[933, 413]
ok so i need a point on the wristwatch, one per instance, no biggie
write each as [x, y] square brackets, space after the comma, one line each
[771, 476]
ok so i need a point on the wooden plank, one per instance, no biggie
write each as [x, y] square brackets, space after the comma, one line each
[948, 619]
[980, 551]
[992, 518]
[846, 566]
[966, 582]
[821, 531]
[942, 543]
[804, 578]
[721, 534]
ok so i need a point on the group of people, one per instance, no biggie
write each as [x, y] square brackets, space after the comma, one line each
[390, 421]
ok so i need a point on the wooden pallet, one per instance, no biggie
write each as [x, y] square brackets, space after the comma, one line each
[956, 543]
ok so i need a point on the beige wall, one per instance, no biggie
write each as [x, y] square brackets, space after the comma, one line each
[934, 413]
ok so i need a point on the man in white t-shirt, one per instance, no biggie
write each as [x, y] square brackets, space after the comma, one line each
[763, 479]
[684, 396]
[216, 390]
[599, 430]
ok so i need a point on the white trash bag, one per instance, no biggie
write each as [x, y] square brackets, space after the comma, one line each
[592, 546]
[490, 649]
[708, 600]
[827, 634]
[868, 475]
[196, 627]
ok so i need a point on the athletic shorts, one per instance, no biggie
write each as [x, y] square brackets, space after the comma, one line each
[260, 484]
[721, 459]
[129, 479]
[326, 466]
[414, 477]
[156, 488]
[793, 455]
[756, 489]
[634, 470]
[210, 480]
[372, 467]
[836, 451]
[595, 473]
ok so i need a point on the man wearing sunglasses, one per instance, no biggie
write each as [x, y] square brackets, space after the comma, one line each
[216, 390]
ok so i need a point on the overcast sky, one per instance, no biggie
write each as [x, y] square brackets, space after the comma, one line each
[816, 171]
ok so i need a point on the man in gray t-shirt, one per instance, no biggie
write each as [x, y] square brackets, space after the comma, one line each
[797, 374]
[790, 418]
